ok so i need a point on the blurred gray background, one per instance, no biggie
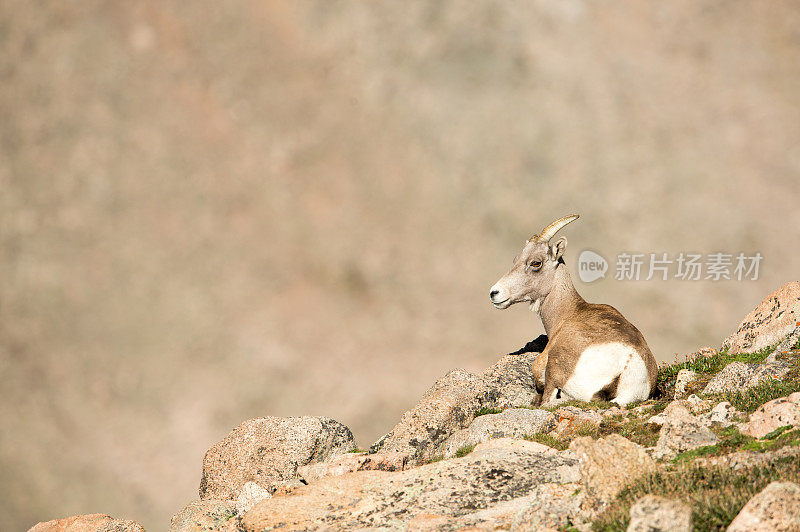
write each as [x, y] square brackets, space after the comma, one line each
[213, 211]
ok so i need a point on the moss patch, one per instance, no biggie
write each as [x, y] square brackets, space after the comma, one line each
[465, 450]
[486, 411]
[731, 440]
[550, 441]
[635, 429]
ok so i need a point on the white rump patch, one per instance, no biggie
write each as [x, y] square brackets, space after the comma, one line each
[598, 365]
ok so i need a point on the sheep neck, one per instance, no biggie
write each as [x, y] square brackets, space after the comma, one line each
[560, 302]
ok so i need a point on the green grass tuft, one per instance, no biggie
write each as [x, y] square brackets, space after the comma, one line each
[777, 432]
[712, 364]
[546, 439]
[731, 440]
[465, 450]
[484, 411]
[583, 405]
[635, 429]
[749, 400]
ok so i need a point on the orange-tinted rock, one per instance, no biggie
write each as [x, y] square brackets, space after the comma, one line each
[770, 322]
[88, 523]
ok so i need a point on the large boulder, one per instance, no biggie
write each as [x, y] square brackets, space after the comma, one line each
[270, 450]
[511, 423]
[610, 464]
[769, 323]
[511, 381]
[451, 403]
[682, 431]
[496, 471]
[652, 513]
[773, 415]
[88, 523]
[776, 508]
[741, 376]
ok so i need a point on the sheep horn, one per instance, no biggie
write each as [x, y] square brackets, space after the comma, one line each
[550, 231]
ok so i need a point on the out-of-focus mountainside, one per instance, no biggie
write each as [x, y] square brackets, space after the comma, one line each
[215, 211]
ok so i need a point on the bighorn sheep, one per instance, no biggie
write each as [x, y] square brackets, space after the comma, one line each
[593, 352]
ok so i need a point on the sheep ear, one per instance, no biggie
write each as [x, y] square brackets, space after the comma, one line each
[557, 249]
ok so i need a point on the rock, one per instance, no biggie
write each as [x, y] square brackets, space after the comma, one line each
[652, 514]
[571, 420]
[385, 462]
[773, 415]
[250, 494]
[642, 410]
[269, 450]
[550, 506]
[450, 405]
[769, 323]
[511, 444]
[87, 523]
[211, 514]
[787, 344]
[748, 459]
[610, 464]
[287, 487]
[775, 508]
[657, 419]
[511, 381]
[741, 376]
[337, 465]
[683, 379]
[511, 423]
[724, 414]
[547, 506]
[697, 405]
[703, 352]
[681, 432]
[692, 404]
[496, 471]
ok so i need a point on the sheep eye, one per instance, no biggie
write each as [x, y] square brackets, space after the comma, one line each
[535, 264]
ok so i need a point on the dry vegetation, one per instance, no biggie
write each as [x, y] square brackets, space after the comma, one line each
[213, 211]
[716, 494]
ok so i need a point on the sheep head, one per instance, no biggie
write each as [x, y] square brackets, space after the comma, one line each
[532, 273]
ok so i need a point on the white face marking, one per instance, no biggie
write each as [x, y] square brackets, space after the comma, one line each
[599, 364]
[536, 305]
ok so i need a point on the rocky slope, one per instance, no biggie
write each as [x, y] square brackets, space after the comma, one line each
[719, 448]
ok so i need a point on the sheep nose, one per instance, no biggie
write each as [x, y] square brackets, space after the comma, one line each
[493, 293]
